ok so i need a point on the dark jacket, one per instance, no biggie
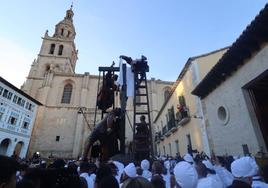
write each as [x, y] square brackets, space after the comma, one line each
[239, 184]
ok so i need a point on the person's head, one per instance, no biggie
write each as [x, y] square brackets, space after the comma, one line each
[108, 181]
[103, 171]
[113, 168]
[145, 164]
[58, 163]
[201, 170]
[142, 118]
[185, 175]
[158, 182]
[243, 169]
[137, 182]
[23, 168]
[34, 175]
[84, 167]
[8, 168]
[139, 171]
[157, 167]
[92, 167]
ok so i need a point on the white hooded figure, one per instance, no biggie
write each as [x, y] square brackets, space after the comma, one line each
[243, 170]
[226, 177]
[216, 180]
[185, 175]
[145, 165]
[130, 170]
[166, 176]
[120, 168]
[188, 158]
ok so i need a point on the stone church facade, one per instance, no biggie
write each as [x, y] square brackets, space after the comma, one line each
[59, 129]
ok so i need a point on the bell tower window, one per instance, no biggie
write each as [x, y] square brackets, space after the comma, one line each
[52, 49]
[67, 93]
[62, 32]
[60, 50]
[68, 35]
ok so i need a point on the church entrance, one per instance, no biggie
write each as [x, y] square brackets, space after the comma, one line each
[4, 146]
[258, 92]
[18, 148]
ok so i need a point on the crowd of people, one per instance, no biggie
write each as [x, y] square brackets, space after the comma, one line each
[163, 172]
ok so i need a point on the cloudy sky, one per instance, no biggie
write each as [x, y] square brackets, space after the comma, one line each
[168, 32]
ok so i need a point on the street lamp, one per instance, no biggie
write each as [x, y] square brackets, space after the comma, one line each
[196, 117]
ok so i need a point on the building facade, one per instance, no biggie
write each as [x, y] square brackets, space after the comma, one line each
[59, 129]
[234, 94]
[179, 125]
[17, 116]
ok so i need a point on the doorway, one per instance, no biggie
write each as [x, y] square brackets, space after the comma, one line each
[4, 146]
[258, 93]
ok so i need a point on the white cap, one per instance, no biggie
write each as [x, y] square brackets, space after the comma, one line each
[185, 175]
[145, 164]
[188, 158]
[208, 164]
[130, 170]
[243, 167]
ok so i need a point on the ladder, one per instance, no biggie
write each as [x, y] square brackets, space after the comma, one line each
[142, 144]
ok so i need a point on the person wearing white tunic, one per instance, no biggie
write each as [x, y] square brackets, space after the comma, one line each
[243, 171]
[128, 172]
[90, 178]
[145, 165]
[188, 158]
[120, 168]
[212, 173]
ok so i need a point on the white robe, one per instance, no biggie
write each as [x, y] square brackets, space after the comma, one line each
[90, 179]
[226, 177]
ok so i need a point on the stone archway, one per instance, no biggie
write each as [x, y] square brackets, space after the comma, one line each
[18, 148]
[4, 146]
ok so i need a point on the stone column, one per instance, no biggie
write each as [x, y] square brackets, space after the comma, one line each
[78, 136]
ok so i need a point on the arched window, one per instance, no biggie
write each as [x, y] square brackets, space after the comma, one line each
[69, 33]
[67, 93]
[62, 32]
[52, 48]
[60, 50]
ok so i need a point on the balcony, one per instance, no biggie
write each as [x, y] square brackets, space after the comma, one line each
[183, 121]
[182, 116]
[172, 125]
[164, 130]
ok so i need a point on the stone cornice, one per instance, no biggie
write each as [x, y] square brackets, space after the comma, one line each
[14, 133]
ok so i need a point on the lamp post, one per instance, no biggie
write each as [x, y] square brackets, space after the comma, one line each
[196, 117]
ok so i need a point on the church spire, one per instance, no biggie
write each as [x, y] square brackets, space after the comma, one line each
[65, 28]
[70, 13]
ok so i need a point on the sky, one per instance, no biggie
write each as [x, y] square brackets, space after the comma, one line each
[167, 32]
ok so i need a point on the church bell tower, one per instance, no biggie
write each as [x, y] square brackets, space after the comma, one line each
[58, 55]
